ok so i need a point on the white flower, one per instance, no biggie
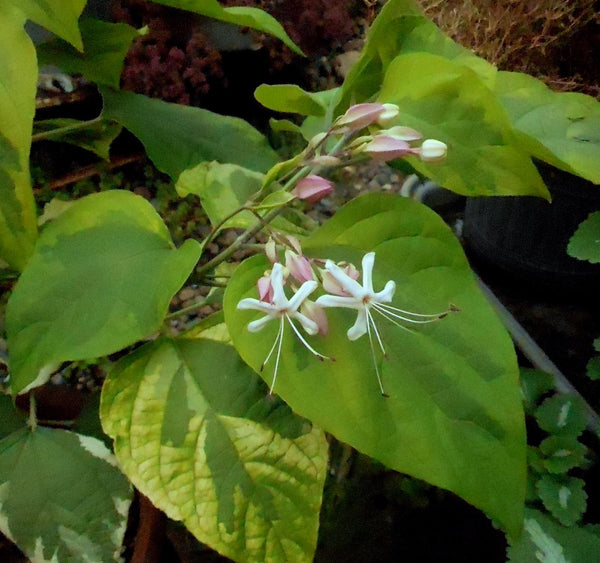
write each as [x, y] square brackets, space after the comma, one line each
[364, 299]
[283, 309]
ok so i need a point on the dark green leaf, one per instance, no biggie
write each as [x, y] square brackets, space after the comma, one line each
[585, 243]
[10, 418]
[563, 497]
[562, 414]
[178, 137]
[95, 137]
[562, 453]
[546, 541]
[253, 18]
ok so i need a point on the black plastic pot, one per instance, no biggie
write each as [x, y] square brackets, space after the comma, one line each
[525, 238]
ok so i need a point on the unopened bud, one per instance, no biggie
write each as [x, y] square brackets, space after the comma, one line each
[317, 314]
[313, 188]
[388, 115]
[385, 147]
[433, 150]
[271, 251]
[357, 117]
[265, 289]
[403, 133]
[298, 266]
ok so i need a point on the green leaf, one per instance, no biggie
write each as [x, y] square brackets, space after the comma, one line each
[105, 47]
[62, 498]
[561, 128]
[289, 98]
[593, 368]
[447, 101]
[58, 16]
[101, 278]
[534, 384]
[18, 76]
[454, 416]
[383, 43]
[585, 243]
[10, 418]
[253, 18]
[563, 497]
[562, 453]
[562, 414]
[94, 136]
[546, 541]
[178, 137]
[222, 189]
[195, 431]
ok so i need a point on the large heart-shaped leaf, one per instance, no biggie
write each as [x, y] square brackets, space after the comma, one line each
[454, 415]
[195, 431]
[101, 278]
[18, 75]
[59, 16]
[447, 101]
[178, 137]
[62, 498]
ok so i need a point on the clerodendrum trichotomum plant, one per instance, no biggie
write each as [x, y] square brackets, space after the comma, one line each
[368, 326]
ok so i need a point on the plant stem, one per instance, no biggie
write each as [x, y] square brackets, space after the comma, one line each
[187, 309]
[32, 412]
[59, 132]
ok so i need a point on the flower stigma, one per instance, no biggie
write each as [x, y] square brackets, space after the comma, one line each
[280, 308]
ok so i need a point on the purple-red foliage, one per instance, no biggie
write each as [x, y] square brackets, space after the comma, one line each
[173, 61]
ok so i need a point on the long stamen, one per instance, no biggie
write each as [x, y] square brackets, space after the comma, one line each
[372, 321]
[280, 335]
[432, 316]
[386, 315]
[303, 340]
[369, 321]
[389, 314]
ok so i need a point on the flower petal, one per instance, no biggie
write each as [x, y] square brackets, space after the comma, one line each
[368, 262]
[305, 290]
[386, 294]
[262, 306]
[309, 326]
[348, 284]
[259, 324]
[360, 326]
[339, 301]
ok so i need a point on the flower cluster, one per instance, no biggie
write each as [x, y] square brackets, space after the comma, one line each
[342, 289]
[387, 142]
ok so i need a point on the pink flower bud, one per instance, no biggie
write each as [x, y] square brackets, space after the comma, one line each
[357, 117]
[298, 266]
[312, 188]
[385, 147]
[265, 289]
[403, 133]
[433, 150]
[271, 251]
[317, 314]
[331, 285]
